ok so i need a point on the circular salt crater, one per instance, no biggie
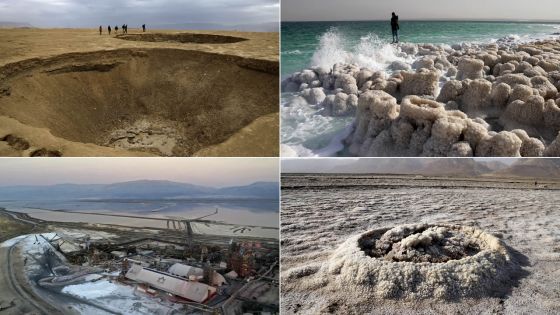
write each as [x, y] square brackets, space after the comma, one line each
[420, 261]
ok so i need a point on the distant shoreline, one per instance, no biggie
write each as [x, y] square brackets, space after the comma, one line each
[437, 20]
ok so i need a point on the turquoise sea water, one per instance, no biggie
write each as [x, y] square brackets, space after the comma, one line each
[301, 40]
[305, 131]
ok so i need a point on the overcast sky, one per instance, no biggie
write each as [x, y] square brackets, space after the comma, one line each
[87, 13]
[344, 10]
[217, 172]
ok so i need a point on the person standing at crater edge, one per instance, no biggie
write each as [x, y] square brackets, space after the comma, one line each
[395, 27]
[109, 29]
[100, 30]
[143, 27]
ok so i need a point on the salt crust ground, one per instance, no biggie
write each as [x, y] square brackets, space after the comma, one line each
[317, 220]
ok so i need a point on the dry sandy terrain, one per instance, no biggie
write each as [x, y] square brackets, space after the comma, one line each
[321, 212]
[73, 92]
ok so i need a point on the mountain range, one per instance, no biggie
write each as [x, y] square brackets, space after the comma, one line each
[468, 167]
[6, 24]
[142, 189]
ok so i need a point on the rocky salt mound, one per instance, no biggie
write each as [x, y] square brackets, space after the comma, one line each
[411, 262]
[467, 100]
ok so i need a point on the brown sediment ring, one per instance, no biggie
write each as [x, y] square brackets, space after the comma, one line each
[197, 38]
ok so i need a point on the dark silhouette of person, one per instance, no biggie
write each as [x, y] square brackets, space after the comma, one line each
[143, 27]
[109, 29]
[395, 27]
[123, 29]
[116, 29]
[100, 30]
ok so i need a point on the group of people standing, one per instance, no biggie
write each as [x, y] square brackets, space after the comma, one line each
[124, 29]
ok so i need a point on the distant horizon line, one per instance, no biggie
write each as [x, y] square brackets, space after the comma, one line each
[139, 180]
[433, 20]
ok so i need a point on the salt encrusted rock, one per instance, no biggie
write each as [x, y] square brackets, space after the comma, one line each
[314, 96]
[476, 95]
[452, 71]
[476, 131]
[535, 71]
[399, 65]
[470, 68]
[445, 132]
[408, 48]
[363, 76]
[554, 148]
[552, 115]
[506, 68]
[529, 112]
[520, 92]
[490, 60]
[506, 57]
[307, 76]
[416, 108]
[450, 91]
[290, 86]
[460, 149]
[502, 144]
[517, 84]
[548, 65]
[523, 66]
[347, 83]
[500, 94]
[514, 79]
[545, 88]
[378, 104]
[423, 82]
[532, 61]
[530, 147]
[531, 50]
[340, 104]
[423, 63]
[315, 84]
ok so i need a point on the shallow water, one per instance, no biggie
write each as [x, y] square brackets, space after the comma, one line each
[250, 212]
[305, 132]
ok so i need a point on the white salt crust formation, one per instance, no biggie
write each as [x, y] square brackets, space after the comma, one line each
[466, 100]
[411, 262]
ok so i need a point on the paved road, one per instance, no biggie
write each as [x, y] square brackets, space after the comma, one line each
[17, 297]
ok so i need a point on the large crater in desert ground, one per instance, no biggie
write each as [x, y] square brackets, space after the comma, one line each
[162, 101]
[183, 38]
[415, 262]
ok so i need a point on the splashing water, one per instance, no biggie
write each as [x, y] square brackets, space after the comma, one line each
[371, 51]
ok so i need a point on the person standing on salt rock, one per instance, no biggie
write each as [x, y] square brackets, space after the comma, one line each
[109, 29]
[100, 30]
[395, 27]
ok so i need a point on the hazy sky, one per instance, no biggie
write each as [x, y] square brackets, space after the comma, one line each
[84, 13]
[217, 172]
[337, 10]
[314, 165]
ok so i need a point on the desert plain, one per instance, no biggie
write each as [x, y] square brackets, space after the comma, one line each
[74, 92]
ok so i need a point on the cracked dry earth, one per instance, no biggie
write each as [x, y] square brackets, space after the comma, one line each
[321, 213]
